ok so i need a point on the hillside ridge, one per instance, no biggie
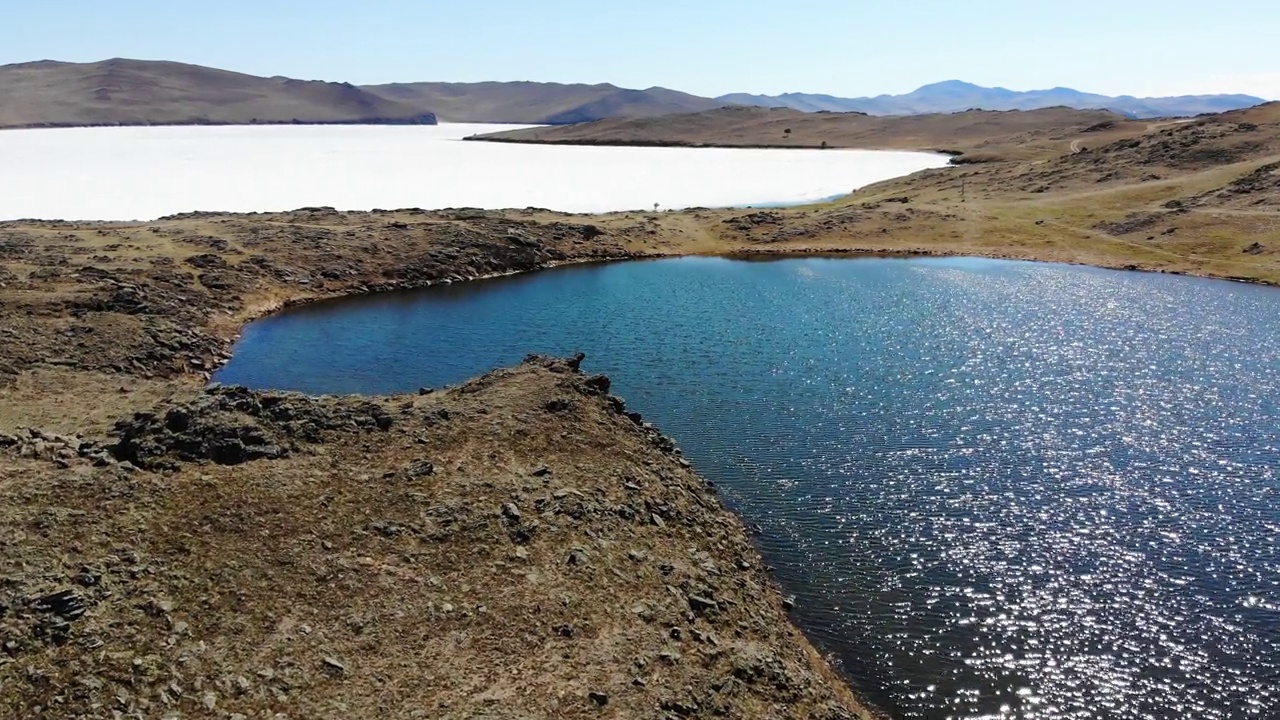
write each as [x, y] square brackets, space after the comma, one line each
[121, 91]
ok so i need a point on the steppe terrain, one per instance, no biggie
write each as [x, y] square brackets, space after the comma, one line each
[1198, 195]
[516, 546]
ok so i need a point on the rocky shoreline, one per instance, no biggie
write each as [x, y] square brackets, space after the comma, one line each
[522, 545]
[190, 310]
[518, 546]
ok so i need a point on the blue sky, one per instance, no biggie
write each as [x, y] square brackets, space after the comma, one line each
[709, 47]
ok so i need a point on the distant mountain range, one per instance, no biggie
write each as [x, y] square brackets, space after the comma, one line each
[144, 92]
[956, 96]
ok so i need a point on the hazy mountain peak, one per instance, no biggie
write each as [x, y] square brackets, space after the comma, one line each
[957, 95]
[949, 86]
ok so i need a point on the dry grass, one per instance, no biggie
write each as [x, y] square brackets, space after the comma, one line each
[67, 400]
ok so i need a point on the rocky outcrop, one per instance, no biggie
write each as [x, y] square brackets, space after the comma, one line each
[1260, 186]
[40, 444]
[751, 221]
[233, 425]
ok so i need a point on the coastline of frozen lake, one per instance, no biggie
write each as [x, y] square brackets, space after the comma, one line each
[141, 173]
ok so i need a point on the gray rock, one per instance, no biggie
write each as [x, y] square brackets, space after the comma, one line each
[679, 707]
[419, 469]
[699, 603]
[66, 604]
[333, 666]
[177, 420]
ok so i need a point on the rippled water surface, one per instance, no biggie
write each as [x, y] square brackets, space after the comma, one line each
[998, 489]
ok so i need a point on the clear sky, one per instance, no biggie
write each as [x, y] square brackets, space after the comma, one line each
[708, 47]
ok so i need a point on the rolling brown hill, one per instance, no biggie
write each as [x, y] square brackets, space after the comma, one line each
[1198, 195]
[142, 92]
[540, 103]
[1176, 148]
[1016, 133]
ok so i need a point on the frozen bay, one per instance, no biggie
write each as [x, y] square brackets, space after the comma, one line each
[141, 173]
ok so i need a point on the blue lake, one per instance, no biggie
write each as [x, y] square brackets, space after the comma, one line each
[996, 488]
